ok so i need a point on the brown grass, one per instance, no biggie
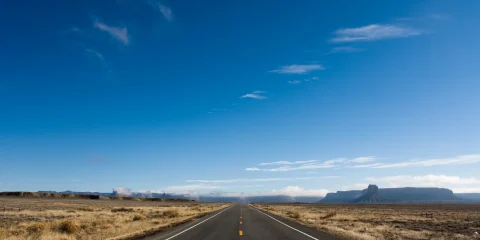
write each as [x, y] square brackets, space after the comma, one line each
[69, 219]
[385, 221]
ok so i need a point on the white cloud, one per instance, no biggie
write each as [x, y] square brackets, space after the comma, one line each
[362, 160]
[95, 53]
[455, 183]
[356, 186]
[166, 11]
[373, 32]
[192, 187]
[118, 33]
[336, 160]
[121, 191]
[296, 168]
[367, 165]
[465, 190]
[249, 180]
[294, 82]
[298, 69]
[255, 95]
[346, 50]
[287, 162]
[463, 159]
[298, 191]
[309, 164]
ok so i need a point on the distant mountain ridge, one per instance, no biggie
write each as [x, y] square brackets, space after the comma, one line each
[203, 198]
[373, 194]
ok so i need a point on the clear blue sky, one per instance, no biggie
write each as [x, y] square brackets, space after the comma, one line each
[150, 95]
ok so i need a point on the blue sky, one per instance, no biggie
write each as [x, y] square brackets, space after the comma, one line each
[260, 97]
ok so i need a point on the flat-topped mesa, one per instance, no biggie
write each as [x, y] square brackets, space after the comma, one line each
[373, 194]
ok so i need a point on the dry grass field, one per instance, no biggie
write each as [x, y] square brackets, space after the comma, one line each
[385, 221]
[68, 219]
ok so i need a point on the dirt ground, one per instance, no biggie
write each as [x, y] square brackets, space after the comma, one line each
[386, 221]
[27, 218]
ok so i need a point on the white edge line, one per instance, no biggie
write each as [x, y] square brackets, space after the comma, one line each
[197, 224]
[285, 224]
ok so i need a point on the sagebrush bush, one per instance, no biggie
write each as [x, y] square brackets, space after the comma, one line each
[329, 215]
[123, 209]
[293, 214]
[69, 226]
[171, 213]
[138, 217]
[37, 228]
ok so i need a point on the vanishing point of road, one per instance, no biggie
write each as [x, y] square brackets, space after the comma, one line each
[242, 222]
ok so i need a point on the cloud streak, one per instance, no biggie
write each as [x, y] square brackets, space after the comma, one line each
[255, 95]
[286, 162]
[298, 69]
[119, 33]
[372, 33]
[166, 11]
[286, 166]
[462, 159]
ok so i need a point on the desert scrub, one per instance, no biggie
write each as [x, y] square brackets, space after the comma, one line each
[293, 214]
[138, 217]
[329, 215]
[68, 226]
[123, 209]
[38, 228]
[171, 213]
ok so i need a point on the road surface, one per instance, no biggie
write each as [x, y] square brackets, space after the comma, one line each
[242, 222]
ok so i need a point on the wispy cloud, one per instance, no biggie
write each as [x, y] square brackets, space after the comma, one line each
[298, 68]
[119, 33]
[248, 180]
[286, 166]
[362, 159]
[373, 32]
[287, 162]
[294, 82]
[311, 79]
[367, 165]
[463, 159]
[95, 53]
[166, 11]
[255, 95]
[346, 50]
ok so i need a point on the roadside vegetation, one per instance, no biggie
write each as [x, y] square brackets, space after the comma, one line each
[46, 219]
[385, 221]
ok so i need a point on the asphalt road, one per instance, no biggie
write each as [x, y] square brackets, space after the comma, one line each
[241, 222]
